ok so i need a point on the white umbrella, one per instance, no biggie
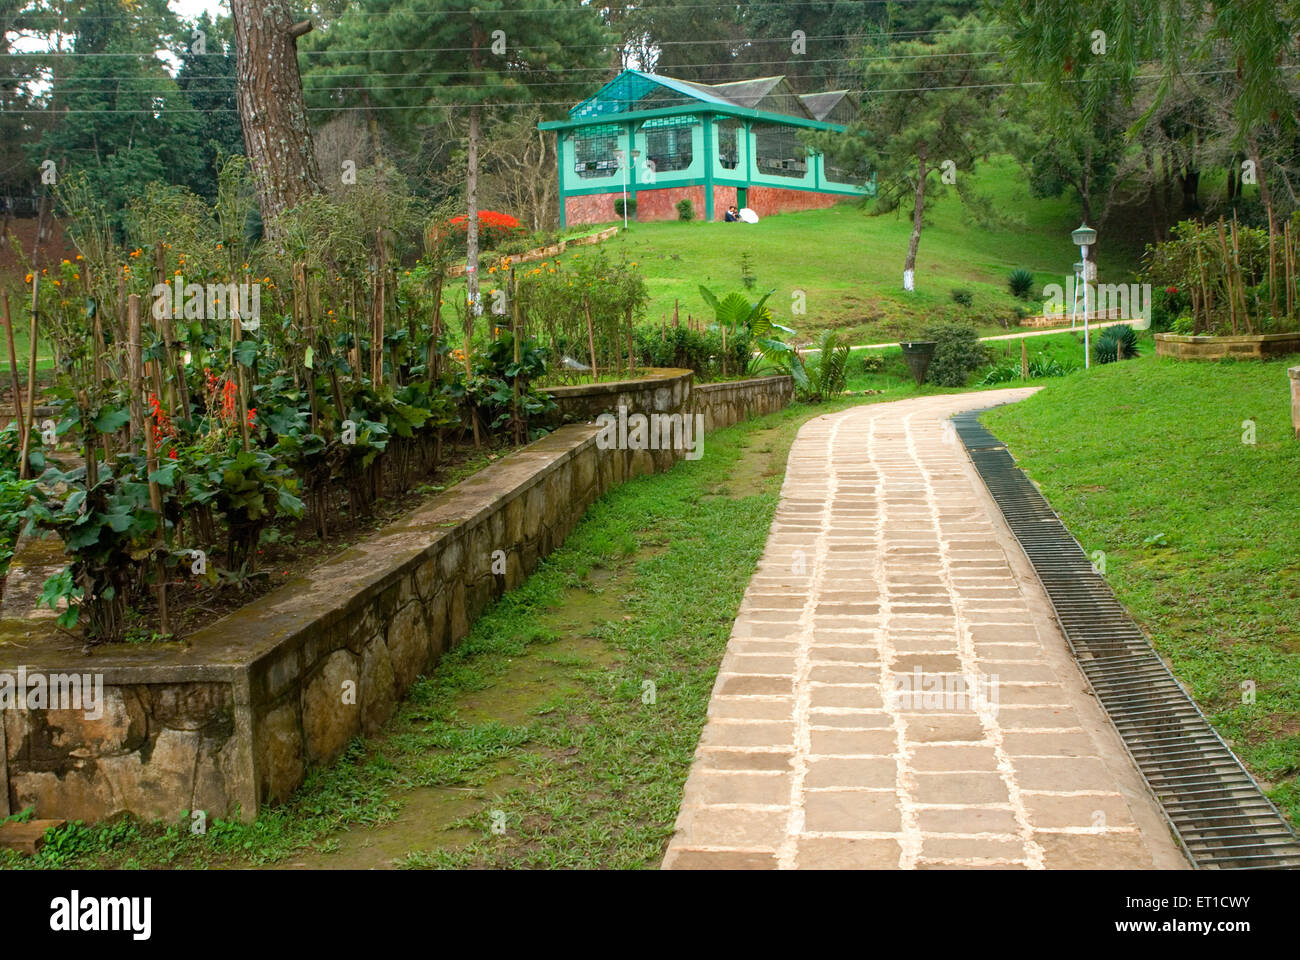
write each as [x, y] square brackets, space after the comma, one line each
[748, 215]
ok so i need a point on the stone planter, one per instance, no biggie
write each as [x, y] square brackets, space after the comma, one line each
[1258, 345]
[918, 354]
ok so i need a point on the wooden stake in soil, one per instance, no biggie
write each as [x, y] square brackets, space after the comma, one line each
[135, 370]
[31, 383]
[155, 501]
[467, 329]
[591, 340]
[514, 334]
[1024, 359]
[241, 383]
[13, 369]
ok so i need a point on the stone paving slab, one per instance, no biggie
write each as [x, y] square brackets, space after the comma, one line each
[896, 693]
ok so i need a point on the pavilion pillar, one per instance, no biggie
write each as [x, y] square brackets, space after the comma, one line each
[709, 153]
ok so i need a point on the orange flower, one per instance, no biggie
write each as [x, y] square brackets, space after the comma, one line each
[67, 263]
[135, 252]
[27, 279]
[79, 257]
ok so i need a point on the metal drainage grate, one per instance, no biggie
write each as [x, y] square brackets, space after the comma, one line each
[1221, 817]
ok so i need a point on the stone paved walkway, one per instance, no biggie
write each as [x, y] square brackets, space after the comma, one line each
[888, 564]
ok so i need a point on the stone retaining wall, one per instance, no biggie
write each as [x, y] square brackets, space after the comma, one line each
[545, 253]
[1259, 346]
[236, 716]
[661, 390]
[726, 403]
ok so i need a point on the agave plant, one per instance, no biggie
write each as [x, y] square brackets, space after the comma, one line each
[1115, 343]
[735, 312]
[1020, 281]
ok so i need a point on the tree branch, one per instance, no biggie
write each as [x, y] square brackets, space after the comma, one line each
[299, 29]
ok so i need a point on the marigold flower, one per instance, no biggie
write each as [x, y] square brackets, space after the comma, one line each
[27, 279]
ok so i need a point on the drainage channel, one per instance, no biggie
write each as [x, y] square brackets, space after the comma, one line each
[1218, 812]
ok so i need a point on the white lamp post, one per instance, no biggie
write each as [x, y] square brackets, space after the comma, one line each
[1085, 237]
[623, 163]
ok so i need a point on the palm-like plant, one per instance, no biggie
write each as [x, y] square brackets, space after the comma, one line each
[827, 375]
[735, 312]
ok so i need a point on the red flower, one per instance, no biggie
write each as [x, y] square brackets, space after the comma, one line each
[1171, 290]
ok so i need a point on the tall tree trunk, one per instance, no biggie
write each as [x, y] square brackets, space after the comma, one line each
[918, 215]
[1265, 194]
[471, 202]
[1190, 179]
[269, 90]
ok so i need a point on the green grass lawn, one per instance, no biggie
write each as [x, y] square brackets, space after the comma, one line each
[44, 359]
[1145, 460]
[850, 264]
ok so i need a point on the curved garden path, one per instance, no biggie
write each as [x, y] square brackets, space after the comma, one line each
[887, 559]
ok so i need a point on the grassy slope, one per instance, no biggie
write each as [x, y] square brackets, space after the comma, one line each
[1155, 447]
[850, 264]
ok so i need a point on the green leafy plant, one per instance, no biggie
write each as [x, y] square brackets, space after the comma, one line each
[685, 209]
[248, 489]
[109, 530]
[1021, 282]
[963, 297]
[735, 312]
[957, 354]
[824, 377]
[621, 206]
[1115, 343]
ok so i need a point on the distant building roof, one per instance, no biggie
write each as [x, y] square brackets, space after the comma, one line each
[636, 90]
[820, 105]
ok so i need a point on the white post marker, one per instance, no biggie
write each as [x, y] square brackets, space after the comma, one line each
[622, 164]
[1085, 237]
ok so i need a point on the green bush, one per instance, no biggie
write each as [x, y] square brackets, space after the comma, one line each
[958, 354]
[1115, 343]
[963, 297]
[873, 363]
[1021, 282]
[620, 204]
[685, 209]
[694, 350]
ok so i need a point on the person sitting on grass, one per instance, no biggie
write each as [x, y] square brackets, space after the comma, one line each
[731, 215]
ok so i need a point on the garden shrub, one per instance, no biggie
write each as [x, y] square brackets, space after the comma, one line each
[963, 297]
[872, 363]
[957, 355]
[685, 209]
[629, 205]
[1020, 281]
[700, 351]
[1115, 343]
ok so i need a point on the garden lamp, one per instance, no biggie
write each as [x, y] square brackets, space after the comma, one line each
[1084, 237]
